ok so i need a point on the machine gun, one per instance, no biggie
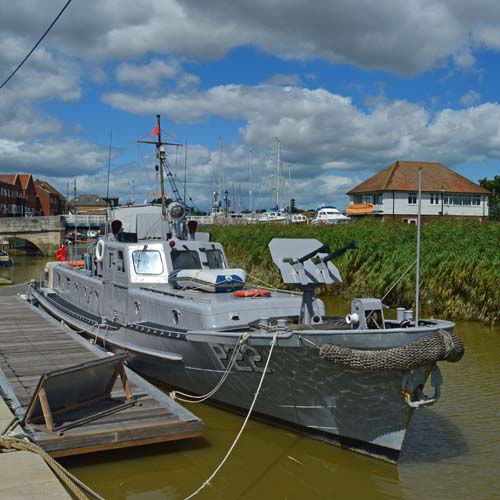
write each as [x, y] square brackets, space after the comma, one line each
[307, 263]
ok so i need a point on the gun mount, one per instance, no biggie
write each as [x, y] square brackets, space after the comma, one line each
[306, 263]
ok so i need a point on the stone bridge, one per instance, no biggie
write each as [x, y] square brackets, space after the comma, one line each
[47, 233]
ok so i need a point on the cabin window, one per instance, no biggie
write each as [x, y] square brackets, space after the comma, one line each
[120, 262]
[147, 262]
[185, 259]
[215, 259]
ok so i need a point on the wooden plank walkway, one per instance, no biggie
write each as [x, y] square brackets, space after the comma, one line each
[33, 343]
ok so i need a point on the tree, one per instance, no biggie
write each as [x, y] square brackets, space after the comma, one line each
[157, 201]
[293, 208]
[493, 186]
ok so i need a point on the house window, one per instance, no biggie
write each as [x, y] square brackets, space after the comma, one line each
[462, 199]
[435, 198]
[375, 199]
[412, 198]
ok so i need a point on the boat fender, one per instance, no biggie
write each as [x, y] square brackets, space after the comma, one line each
[252, 292]
[99, 251]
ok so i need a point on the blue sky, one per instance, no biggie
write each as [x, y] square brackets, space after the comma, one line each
[347, 87]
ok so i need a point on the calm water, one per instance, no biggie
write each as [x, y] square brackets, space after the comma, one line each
[452, 450]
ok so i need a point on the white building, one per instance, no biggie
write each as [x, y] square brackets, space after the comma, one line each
[392, 193]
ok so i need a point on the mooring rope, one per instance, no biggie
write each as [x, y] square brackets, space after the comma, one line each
[250, 410]
[271, 287]
[77, 487]
[16, 284]
[200, 399]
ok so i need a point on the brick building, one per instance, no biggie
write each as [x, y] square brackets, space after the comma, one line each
[49, 200]
[11, 196]
[29, 194]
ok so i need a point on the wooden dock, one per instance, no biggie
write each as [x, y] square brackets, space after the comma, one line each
[32, 343]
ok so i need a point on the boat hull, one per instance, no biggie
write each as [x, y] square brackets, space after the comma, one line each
[361, 410]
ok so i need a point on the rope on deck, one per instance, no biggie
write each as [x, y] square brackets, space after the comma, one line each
[192, 398]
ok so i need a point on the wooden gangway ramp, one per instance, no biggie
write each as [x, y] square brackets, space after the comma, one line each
[33, 344]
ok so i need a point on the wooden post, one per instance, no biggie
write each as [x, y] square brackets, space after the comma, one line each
[42, 396]
[125, 383]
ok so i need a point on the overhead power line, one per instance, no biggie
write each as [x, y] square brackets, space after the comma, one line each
[36, 45]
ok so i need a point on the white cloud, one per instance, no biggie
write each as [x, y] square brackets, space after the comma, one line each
[51, 157]
[148, 75]
[320, 128]
[404, 37]
[470, 98]
[284, 79]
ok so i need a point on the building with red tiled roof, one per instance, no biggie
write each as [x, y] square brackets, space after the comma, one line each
[392, 193]
[29, 194]
[49, 200]
[11, 196]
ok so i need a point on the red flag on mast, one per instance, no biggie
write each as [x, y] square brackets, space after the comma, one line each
[156, 130]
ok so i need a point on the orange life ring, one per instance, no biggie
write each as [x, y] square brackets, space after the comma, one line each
[252, 292]
[75, 263]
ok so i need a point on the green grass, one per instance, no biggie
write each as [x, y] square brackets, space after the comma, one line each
[460, 261]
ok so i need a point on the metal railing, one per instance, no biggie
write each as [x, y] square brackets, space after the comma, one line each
[84, 220]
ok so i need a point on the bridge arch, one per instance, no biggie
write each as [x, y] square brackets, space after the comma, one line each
[45, 233]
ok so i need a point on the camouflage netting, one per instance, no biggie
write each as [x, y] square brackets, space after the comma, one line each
[438, 346]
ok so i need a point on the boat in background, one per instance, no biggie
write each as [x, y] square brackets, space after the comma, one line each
[298, 219]
[329, 215]
[5, 258]
[273, 215]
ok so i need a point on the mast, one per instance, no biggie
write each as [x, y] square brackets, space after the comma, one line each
[417, 285]
[160, 152]
[289, 189]
[250, 191]
[219, 167]
[278, 170]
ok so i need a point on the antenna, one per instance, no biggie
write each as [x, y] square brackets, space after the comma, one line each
[107, 188]
[185, 169]
[417, 284]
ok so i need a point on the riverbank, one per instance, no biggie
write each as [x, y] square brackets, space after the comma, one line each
[460, 263]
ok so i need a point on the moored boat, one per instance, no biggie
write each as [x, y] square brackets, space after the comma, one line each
[329, 215]
[161, 291]
[336, 380]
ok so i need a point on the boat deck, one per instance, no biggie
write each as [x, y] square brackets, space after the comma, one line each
[33, 344]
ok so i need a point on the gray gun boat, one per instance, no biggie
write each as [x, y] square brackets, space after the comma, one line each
[162, 292]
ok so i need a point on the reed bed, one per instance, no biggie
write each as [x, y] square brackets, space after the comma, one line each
[460, 261]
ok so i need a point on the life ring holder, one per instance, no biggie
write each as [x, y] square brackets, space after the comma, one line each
[252, 292]
[99, 251]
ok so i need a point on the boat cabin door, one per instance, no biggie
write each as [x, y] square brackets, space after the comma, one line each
[119, 283]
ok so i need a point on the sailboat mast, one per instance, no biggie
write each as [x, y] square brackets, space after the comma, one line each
[219, 165]
[278, 171]
[250, 191]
